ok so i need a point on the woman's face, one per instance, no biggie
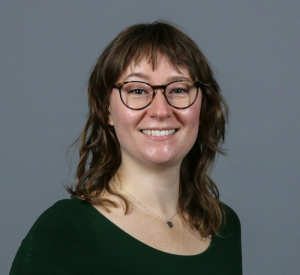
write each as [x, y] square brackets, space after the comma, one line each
[140, 147]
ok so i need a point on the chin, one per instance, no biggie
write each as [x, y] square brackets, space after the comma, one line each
[163, 160]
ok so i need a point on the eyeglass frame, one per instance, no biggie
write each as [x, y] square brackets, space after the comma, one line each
[120, 85]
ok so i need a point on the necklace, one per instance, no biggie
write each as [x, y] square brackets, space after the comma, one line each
[168, 221]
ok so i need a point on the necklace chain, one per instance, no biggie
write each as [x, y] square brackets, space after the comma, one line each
[168, 221]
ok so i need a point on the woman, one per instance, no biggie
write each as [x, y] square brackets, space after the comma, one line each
[144, 202]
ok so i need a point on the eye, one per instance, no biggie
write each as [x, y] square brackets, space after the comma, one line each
[137, 91]
[179, 91]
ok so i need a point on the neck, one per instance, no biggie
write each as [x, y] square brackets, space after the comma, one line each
[157, 187]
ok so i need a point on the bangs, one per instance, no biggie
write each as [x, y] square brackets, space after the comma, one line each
[147, 41]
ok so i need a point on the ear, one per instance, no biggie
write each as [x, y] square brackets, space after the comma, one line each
[110, 121]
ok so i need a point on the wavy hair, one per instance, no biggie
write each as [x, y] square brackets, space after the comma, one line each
[100, 155]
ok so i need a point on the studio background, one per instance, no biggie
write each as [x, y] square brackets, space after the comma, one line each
[47, 51]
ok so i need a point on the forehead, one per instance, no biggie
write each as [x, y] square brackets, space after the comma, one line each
[145, 68]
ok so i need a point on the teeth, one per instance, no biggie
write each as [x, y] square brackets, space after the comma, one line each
[157, 133]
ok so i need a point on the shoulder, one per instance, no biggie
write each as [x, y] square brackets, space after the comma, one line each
[66, 207]
[231, 225]
[228, 240]
[63, 213]
[230, 215]
[61, 239]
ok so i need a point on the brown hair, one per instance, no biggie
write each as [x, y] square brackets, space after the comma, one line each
[100, 155]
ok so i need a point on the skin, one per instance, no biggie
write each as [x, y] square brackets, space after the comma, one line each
[139, 148]
[151, 165]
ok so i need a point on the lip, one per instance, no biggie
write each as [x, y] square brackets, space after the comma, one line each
[160, 138]
[160, 128]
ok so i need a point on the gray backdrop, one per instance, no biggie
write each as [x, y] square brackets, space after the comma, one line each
[47, 51]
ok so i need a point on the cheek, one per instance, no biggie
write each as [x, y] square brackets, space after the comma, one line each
[194, 118]
[125, 121]
[191, 116]
[119, 114]
[192, 123]
[195, 112]
[125, 118]
[193, 128]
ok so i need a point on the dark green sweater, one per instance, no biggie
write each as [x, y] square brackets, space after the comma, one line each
[72, 237]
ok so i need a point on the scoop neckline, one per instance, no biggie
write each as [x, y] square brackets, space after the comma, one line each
[142, 243]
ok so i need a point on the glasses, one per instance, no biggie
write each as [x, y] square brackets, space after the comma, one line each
[137, 95]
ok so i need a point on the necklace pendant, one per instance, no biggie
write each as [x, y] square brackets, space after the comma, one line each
[169, 224]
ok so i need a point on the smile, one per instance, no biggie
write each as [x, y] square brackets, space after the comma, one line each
[157, 133]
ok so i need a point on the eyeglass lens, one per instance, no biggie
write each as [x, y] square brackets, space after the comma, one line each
[137, 95]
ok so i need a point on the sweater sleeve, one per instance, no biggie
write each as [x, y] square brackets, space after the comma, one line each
[60, 242]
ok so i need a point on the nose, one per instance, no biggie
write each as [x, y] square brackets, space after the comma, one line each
[159, 107]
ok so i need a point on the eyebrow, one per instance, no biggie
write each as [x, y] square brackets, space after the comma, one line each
[146, 77]
[140, 75]
[177, 77]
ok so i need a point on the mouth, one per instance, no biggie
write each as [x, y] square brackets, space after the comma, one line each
[158, 133]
